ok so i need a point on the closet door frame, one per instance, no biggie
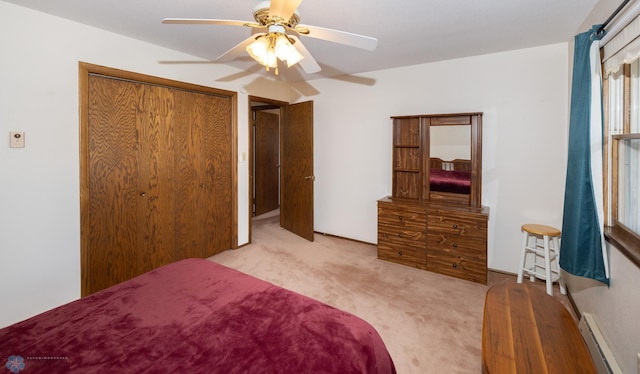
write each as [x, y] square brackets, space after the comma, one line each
[85, 70]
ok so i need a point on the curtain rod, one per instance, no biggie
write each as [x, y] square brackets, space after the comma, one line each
[612, 16]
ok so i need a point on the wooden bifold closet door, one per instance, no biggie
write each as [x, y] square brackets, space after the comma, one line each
[159, 178]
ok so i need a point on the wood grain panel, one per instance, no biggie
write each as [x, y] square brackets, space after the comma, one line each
[401, 217]
[444, 120]
[527, 331]
[407, 184]
[203, 164]
[296, 205]
[113, 193]
[219, 168]
[407, 159]
[458, 246]
[455, 265]
[405, 255]
[407, 132]
[401, 237]
[189, 122]
[155, 244]
[157, 177]
[458, 223]
[266, 162]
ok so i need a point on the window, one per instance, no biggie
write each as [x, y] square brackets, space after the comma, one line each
[622, 128]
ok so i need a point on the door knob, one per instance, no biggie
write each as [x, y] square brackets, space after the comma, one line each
[312, 177]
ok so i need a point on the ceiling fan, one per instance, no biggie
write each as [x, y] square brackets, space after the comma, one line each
[275, 36]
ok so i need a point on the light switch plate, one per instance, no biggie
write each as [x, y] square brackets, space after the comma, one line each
[16, 139]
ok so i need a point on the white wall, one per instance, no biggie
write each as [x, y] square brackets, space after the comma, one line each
[523, 95]
[39, 184]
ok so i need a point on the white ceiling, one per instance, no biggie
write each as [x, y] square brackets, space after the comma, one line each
[409, 32]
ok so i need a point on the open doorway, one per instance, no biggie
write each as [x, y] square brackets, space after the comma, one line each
[265, 119]
[281, 163]
[264, 162]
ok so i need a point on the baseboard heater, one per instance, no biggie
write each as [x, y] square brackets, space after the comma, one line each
[598, 347]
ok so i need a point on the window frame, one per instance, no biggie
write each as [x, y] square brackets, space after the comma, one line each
[627, 241]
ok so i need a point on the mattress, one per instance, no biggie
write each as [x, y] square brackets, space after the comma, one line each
[195, 316]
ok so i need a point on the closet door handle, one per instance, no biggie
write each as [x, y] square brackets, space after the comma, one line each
[312, 177]
[143, 194]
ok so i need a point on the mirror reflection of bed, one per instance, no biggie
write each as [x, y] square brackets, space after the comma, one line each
[450, 176]
[450, 162]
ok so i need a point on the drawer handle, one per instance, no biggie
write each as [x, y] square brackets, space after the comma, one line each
[400, 253]
[455, 226]
[400, 235]
[455, 245]
[400, 218]
[455, 266]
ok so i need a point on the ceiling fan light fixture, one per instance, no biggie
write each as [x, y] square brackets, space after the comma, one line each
[269, 48]
[258, 49]
[286, 51]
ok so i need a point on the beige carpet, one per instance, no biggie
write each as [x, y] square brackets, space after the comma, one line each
[430, 323]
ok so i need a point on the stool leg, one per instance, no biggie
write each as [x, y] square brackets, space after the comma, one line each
[523, 256]
[534, 266]
[556, 245]
[532, 243]
[547, 266]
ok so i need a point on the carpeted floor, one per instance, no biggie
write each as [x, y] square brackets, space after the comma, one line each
[430, 323]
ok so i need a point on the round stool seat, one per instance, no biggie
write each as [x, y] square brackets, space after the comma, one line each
[541, 230]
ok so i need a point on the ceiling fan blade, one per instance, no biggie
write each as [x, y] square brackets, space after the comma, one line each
[283, 8]
[238, 50]
[205, 21]
[342, 37]
[308, 63]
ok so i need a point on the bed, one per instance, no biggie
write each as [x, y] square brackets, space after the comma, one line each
[195, 316]
[450, 176]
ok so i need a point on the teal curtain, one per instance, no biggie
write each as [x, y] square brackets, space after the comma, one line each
[582, 249]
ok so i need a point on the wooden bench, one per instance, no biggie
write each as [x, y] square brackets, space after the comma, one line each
[527, 331]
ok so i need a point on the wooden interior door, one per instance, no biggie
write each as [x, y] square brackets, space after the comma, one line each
[156, 178]
[202, 185]
[126, 180]
[267, 159]
[296, 202]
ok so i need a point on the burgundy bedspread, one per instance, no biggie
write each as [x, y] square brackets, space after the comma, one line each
[450, 181]
[195, 316]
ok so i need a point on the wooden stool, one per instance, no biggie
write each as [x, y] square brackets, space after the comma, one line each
[543, 242]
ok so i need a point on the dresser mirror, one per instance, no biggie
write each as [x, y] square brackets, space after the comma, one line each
[450, 163]
[437, 158]
[454, 159]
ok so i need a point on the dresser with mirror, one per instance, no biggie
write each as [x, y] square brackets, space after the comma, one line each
[434, 219]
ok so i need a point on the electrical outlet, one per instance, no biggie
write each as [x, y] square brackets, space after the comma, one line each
[16, 139]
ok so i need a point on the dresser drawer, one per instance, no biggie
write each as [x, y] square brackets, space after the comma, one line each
[463, 225]
[458, 245]
[402, 236]
[457, 266]
[401, 216]
[405, 255]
